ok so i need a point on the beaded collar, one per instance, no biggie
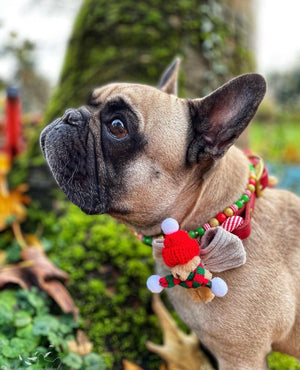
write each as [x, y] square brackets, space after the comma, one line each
[231, 218]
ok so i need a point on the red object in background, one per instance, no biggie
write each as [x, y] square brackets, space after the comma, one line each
[13, 122]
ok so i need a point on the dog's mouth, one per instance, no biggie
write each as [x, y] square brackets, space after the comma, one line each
[69, 148]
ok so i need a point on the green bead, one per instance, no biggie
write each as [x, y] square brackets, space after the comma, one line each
[147, 240]
[239, 204]
[245, 198]
[192, 234]
[201, 231]
[251, 167]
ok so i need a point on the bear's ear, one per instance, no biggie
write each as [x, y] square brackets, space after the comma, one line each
[168, 81]
[219, 118]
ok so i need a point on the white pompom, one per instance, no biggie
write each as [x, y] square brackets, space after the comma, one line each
[169, 226]
[153, 284]
[219, 287]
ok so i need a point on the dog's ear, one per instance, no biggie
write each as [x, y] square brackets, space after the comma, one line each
[168, 81]
[219, 118]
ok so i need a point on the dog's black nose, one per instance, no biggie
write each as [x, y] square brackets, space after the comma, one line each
[76, 116]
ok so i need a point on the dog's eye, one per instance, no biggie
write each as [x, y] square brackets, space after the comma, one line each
[117, 129]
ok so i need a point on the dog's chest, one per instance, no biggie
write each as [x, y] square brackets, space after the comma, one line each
[196, 315]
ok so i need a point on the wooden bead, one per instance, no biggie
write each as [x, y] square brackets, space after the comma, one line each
[251, 187]
[214, 222]
[248, 192]
[245, 198]
[232, 223]
[239, 204]
[228, 212]
[206, 226]
[147, 240]
[201, 231]
[234, 207]
[192, 234]
[221, 217]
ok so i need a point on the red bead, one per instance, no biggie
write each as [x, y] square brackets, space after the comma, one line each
[221, 217]
[252, 181]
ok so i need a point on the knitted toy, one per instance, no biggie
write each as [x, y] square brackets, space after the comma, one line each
[181, 254]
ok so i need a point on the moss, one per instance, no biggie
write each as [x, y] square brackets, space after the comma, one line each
[279, 361]
[108, 268]
[134, 41]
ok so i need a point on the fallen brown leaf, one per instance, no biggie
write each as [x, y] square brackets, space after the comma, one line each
[127, 365]
[180, 351]
[47, 274]
[82, 345]
[60, 294]
[35, 263]
[43, 269]
[14, 274]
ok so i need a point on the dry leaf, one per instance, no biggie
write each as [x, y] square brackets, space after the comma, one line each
[82, 346]
[35, 261]
[14, 274]
[42, 268]
[46, 274]
[33, 241]
[62, 297]
[180, 351]
[162, 366]
[127, 365]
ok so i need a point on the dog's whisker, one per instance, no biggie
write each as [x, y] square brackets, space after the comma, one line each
[71, 177]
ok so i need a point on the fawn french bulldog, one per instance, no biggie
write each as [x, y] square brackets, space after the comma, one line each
[142, 154]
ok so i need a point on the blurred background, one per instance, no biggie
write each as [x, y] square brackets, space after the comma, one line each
[53, 52]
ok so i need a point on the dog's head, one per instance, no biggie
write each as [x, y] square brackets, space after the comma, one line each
[136, 152]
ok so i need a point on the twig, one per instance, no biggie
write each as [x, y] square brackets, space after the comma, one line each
[21, 265]
[18, 234]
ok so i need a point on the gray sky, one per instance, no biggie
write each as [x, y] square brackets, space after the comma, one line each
[278, 34]
[49, 25]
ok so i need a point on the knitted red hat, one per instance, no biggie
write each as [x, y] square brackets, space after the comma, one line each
[179, 248]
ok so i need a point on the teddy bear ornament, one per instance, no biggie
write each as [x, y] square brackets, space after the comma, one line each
[181, 254]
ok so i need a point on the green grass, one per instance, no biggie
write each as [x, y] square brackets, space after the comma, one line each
[276, 141]
[279, 361]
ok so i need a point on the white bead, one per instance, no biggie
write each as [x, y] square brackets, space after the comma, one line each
[153, 284]
[169, 226]
[219, 287]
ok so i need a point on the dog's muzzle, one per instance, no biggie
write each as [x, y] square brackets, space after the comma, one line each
[69, 147]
